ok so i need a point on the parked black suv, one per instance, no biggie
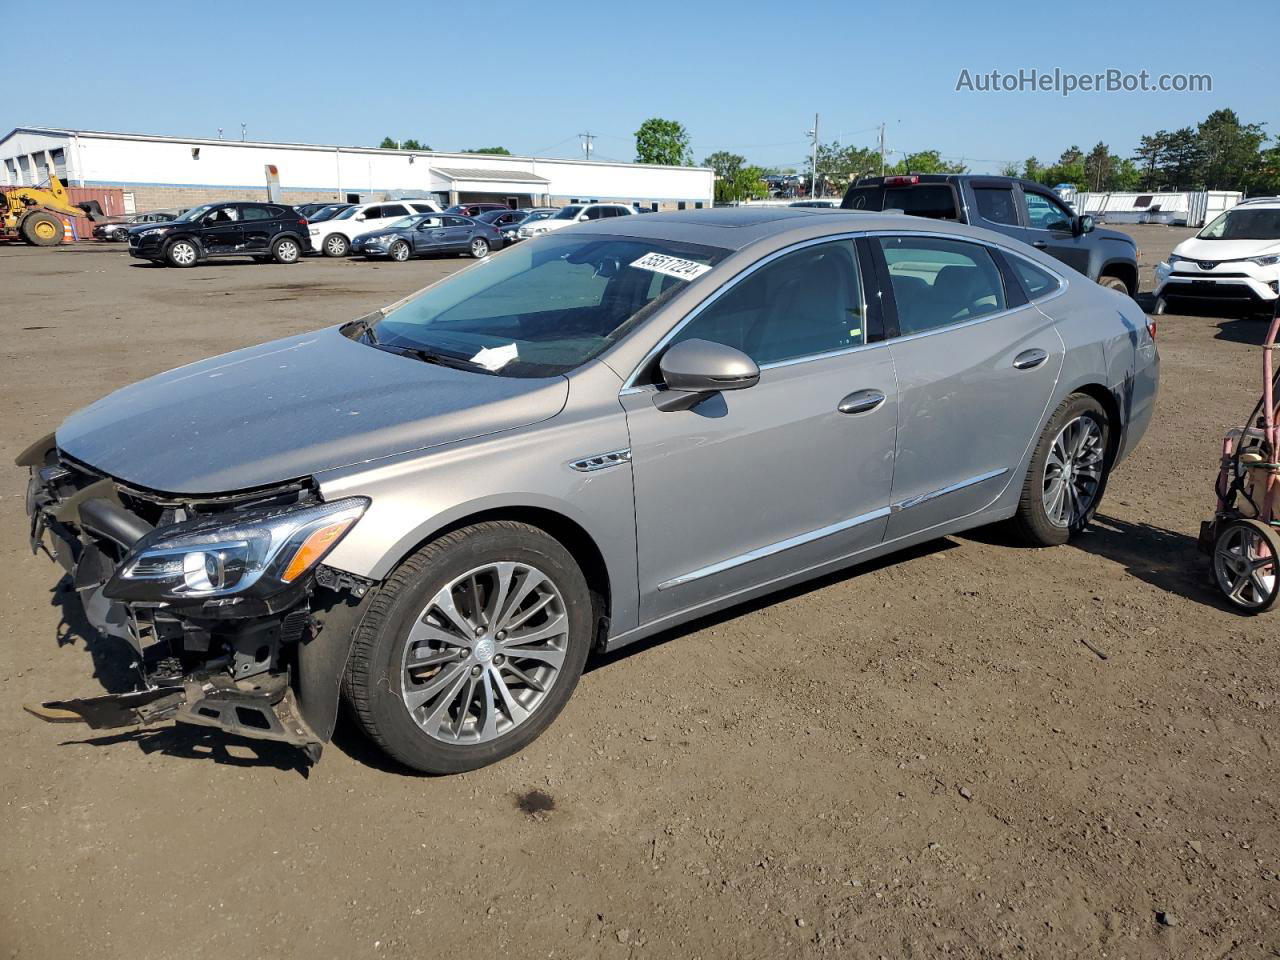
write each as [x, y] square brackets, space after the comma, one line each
[263, 231]
[1021, 209]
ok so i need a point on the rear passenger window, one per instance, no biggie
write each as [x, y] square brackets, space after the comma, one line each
[255, 213]
[422, 208]
[804, 303]
[1037, 282]
[939, 282]
[995, 204]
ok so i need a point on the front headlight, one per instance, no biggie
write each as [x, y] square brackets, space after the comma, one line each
[154, 231]
[1267, 261]
[260, 550]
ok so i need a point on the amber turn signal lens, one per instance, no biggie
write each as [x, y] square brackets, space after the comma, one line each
[317, 544]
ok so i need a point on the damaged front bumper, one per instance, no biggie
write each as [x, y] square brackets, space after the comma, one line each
[245, 631]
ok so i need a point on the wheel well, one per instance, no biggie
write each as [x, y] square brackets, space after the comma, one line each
[573, 537]
[1122, 271]
[1108, 400]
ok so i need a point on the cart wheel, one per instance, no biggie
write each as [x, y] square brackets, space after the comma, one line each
[1246, 565]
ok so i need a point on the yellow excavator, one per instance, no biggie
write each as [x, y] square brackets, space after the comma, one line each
[35, 214]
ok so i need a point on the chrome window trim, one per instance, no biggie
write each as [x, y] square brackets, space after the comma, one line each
[770, 549]
[629, 386]
[915, 501]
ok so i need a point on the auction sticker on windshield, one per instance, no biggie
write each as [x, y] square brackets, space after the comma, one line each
[671, 266]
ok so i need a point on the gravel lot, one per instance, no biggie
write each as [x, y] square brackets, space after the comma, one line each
[920, 757]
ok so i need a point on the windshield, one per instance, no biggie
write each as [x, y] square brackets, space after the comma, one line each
[546, 306]
[538, 215]
[406, 223]
[324, 213]
[195, 213]
[1244, 225]
[345, 214]
[568, 213]
[491, 215]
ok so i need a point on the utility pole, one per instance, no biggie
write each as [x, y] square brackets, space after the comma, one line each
[813, 183]
[882, 148]
[587, 138]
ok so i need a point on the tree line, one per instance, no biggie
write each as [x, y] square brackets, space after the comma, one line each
[1221, 152]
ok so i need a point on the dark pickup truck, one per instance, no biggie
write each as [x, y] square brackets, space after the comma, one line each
[1022, 209]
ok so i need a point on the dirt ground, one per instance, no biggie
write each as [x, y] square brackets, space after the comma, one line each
[922, 757]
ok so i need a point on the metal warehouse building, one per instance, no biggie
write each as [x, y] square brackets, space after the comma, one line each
[158, 172]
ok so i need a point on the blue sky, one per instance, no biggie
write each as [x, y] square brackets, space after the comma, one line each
[746, 77]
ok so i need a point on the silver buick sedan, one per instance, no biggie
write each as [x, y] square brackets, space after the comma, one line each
[439, 511]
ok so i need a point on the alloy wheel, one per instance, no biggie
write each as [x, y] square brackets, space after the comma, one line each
[1245, 566]
[183, 253]
[400, 251]
[1073, 472]
[483, 654]
[287, 251]
[479, 248]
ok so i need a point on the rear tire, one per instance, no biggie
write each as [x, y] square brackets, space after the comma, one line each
[286, 250]
[1068, 473]
[336, 245]
[445, 694]
[42, 229]
[182, 253]
[479, 248]
[1114, 283]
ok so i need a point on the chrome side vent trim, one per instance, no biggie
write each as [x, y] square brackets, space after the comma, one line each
[601, 461]
[910, 502]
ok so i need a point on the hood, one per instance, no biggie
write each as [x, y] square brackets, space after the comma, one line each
[291, 408]
[551, 223]
[1102, 233]
[1193, 248]
[374, 235]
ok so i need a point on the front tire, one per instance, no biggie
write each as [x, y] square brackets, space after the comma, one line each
[182, 253]
[336, 245]
[1068, 473]
[399, 251]
[472, 648]
[42, 229]
[1246, 565]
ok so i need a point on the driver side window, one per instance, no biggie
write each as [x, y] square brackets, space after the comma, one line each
[804, 303]
[1045, 214]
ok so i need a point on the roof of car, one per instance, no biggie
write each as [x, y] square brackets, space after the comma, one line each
[733, 228]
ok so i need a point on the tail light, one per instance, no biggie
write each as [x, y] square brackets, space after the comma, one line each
[901, 181]
[302, 221]
[1151, 327]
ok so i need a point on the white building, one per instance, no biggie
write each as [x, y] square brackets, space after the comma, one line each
[156, 172]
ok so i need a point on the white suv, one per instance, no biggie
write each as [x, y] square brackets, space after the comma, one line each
[1236, 259]
[575, 213]
[333, 237]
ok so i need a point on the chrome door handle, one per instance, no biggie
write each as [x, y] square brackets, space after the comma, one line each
[1029, 359]
[861, 401]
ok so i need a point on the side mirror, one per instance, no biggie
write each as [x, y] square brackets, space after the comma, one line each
[361, 216]
[695, 369]
[582, 217]
[1083, 225]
